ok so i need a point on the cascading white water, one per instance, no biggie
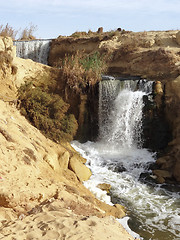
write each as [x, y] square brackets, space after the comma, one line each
[120, 113]
[117, 158]
[36, 50]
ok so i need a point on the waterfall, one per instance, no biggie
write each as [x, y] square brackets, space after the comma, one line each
[36, 50]
[120, 113]
[118, 159]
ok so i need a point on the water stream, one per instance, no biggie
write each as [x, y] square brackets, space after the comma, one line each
[118, 158]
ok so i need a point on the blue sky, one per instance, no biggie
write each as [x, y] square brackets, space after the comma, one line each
[63, 17]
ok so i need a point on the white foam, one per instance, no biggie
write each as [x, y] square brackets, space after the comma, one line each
[124, 223]
[157, 208]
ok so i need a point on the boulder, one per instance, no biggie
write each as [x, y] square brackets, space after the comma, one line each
[64, 160]
[82, 172]
[118, 211]
[104, 186]
[79, 157]
[52, 159]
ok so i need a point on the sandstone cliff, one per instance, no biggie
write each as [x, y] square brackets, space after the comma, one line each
[153, 55]
[41, 179]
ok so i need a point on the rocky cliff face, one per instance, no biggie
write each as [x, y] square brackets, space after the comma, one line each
[152, 55]
[171, 161]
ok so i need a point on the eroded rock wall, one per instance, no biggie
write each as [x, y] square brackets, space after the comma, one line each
[171, 161]
[153, 55]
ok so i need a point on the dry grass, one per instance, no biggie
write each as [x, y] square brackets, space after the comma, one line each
[26, 34]
[8, 31]
[81, 70]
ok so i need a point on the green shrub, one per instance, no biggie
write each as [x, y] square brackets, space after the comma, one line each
[47, 112]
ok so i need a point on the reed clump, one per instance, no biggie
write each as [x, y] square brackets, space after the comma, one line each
[81, 70]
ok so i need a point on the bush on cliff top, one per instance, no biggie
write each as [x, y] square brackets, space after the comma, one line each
[81, 70]
[47, 112]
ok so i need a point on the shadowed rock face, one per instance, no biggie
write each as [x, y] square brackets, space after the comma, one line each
[173, 115]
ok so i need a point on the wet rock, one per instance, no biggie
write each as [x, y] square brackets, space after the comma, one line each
[162, 173]
[160, 180]
[104, 186]
[118, 211]
[166, 162]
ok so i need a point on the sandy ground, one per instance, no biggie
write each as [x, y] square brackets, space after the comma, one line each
[38, 200]
[51, 221]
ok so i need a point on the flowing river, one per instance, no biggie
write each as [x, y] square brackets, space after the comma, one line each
[117, 158]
